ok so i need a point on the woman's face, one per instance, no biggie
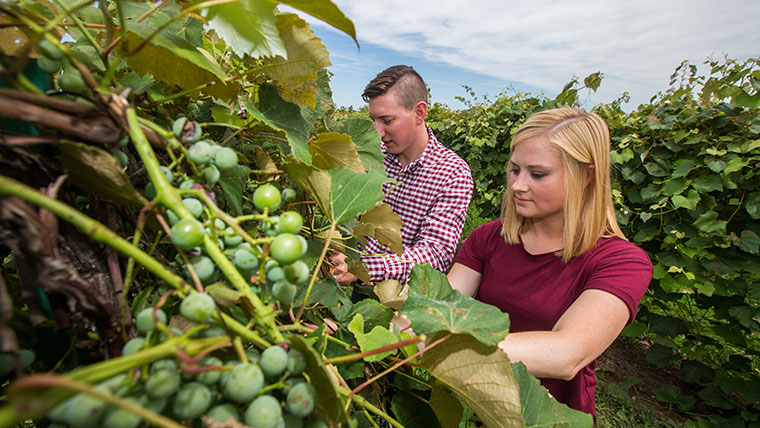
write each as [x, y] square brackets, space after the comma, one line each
[536, 180]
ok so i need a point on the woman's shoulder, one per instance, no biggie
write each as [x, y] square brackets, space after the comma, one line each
[618, 248]
[488, 229]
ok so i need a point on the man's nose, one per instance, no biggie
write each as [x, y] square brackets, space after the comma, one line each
[379, 128]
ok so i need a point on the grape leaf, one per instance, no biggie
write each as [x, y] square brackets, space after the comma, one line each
[376, 338]
[282, 115]
[354, 193]
[296, 73]
[248, 26]
[367, 141]
[413, 412]
[332, 150]
[446, 407]
[383, 224]
[326, 11]
[389, 293]
[479, 375]
[315, 181]
[540, 409]
[433, 306]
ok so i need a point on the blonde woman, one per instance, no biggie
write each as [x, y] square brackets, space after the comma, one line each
[557, 261]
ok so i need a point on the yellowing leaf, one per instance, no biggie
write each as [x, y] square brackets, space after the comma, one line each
[480, 376]
[296, 74]
[384, 225]
[448, 410]
[248, 27]
[389, 293]
[332, 150]
[326, 11]
[315, 181]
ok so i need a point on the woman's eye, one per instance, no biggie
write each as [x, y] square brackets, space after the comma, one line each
[538, 175]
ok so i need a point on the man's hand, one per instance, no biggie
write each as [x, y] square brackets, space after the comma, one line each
[340, 269]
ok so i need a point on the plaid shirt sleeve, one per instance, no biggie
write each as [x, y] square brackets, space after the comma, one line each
[437, 239]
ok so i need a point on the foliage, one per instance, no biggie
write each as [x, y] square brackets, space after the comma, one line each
[148, 165]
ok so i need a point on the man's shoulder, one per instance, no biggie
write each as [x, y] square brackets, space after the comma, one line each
[446, 159]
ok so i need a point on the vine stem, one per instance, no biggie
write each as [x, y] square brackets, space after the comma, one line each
[369, 406]
[316, 270]
[380, 350]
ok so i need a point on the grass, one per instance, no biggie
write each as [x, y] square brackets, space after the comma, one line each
[616, 410]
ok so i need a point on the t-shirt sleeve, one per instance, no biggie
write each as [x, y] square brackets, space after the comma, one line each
[624, 270]
[474, 251]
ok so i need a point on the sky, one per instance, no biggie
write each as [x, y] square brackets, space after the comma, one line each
[536, 46]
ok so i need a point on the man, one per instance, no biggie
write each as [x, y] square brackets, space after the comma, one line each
[435, 184]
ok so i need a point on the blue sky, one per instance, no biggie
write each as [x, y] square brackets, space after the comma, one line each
[536, 45]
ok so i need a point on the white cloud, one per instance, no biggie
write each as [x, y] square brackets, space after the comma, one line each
[542, 43]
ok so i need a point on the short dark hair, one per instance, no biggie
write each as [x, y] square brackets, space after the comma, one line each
[408, 84]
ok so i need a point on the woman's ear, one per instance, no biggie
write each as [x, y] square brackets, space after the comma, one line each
[590, 174]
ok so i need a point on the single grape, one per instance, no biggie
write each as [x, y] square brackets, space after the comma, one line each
[165, 364]
[243, 383]
[225, 158]
[71, 81]
[263, 412]
[288, 194]
[223, 412]
[187, 233]
[293, 421]
[284, 292]
[296, 272]
[211, 174]
[187, 184]
[120, 157]
[267, 196]
[231, 238]
[301, 399]
[162, 383]
[145, 321]
[171, 217]
[49, 50]
[213, 332]
[285, 248]
[275, 274]
[84, 411]
[290, 222]
[192, 401]
[245, 259]
[27, 357]
[274, 360]
[156, 404]
[194, 206]
[197, 307]
[200, 152]
[210, 377]
[304, 245]
[49, 66]
[133, 346]
[204, 267]
[296, 362]
[178, 125]
[118, 417]
[254, 356]
[150, 191]
[167, 173]
[315, 423]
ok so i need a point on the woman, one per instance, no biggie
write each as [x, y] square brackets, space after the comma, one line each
[557, 261]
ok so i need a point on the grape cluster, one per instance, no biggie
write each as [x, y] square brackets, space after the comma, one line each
[268, 391]
[52, 60]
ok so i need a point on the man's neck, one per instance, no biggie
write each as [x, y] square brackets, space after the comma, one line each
[414, 151]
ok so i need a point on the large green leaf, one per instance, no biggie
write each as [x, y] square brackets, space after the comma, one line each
[174, 60]
[539, 409]
[433, 306]
[480, 376]
[248, 26]
[332, 150]
[413, 412]
[326, 11]
[354, 193]
[296, 73]
[315, 181]
[280, 114]
[378, 337]
[367, 141]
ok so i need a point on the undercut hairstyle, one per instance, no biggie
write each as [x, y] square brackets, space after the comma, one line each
[583, 142]
[403, 80]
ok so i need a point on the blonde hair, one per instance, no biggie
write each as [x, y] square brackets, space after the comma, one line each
[583, 140]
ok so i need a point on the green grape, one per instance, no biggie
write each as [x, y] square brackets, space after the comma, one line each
[145, 321]
[285, 248]
[223, 412]
[181, 131]
[288, 194]
[187, 184]
[263, 412]
[171, 217]
[204, 267]
[187, 233]
[254, 356]
[243, 383]
[245, 259]
[197, 307]
[274, 360]
[284, 292]
[200, 152]
[71, 81]
[275, 274]
[6, 365]
[49, 66]
[293, 421]
[210, 377]
[194, 206]
[178, 125]
[304, 245]
[83, 411]
[150, 191]
[296, 272]
[231, 238]
[162, 383]
[117, 417]
[192, 401]
[267, 196]
[211, 174]
[167, 173]
[301, 399]
[27, 357]
[49, 50]
[156, 404]
[225, 158]
[213, 332]
[133, 346]
[290, 222]
[296, 362]
[58, 413]
[315, 423]
[120, 157]
[165, 364]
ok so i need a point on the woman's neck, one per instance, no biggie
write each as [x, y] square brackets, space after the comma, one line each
[542, 237]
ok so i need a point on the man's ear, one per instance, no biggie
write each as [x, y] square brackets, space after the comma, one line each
[420, 111]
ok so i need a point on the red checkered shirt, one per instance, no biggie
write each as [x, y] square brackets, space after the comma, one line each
[432, 200]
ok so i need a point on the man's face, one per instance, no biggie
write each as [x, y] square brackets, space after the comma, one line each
[396, 125]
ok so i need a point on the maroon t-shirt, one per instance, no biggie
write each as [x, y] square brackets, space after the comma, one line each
[535, 290]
